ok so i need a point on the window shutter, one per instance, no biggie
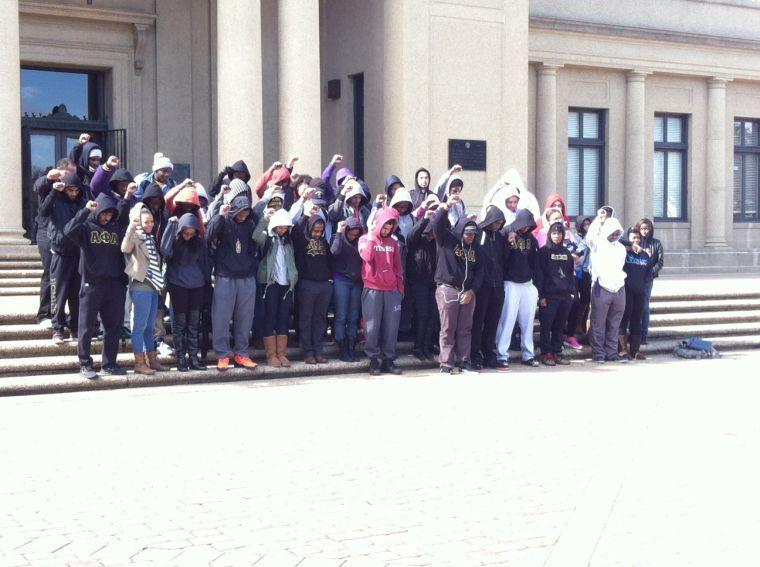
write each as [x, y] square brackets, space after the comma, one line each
[590, 125]
[674, 130]
[573, 125]
[750, 185]
[737, 182]
[659, 184]
[659, 129]
[590, 180]
[573, 181]
[674, 183]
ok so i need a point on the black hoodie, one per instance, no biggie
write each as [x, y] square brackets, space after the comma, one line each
[161, 217]
[234, 249]
[655, 248]
[80, 155]
[457, 265]
[346, 258]
[57, 209]
[100, 246]
[492, 246]
[555, 269]
[421, 258]
[313, 258]
[418, 194]
[520, 255]
[225, 176]
[187, 261]
[388, 182]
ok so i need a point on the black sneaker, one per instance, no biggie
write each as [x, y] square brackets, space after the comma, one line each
[113, 370]
[419, 354]
[502, 365]
[86, 371]
[617, 358]
[445, 370]
[532, 362]
[470, 367]
[600, 359]
[390, 367]
[559, 359]
[374, 367]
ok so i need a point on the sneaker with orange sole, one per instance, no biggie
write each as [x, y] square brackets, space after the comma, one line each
[222, 364]
[245, 362]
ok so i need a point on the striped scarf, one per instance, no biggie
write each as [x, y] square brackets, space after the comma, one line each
[153, 274]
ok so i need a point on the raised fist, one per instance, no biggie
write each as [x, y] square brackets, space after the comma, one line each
[59, 186]
[268, 213]
[54, 174]
[341, 227]
[456, 168]
[131, 188]
[173, 219]
[337, 158]
[224, 210]
[224, 189]
[84, 138]
[113, 162]
[453, 200]
[381, 199]
[91, 205]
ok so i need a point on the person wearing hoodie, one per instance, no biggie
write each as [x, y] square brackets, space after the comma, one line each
[458, 277]
[188, 272]
[553, 201]
[607, 259]
[520, 295]
[146, 283]
[549, 217]
[420, 278]
[347, 289]
[351, 202]
[556, 285]
[421, 189]
[59, 207]
[392, 183]
[315, 283]
[230, 235]
[450, 183]
[183, 199]
[654, 247]
[278, 275]
[383, 277]
[160, 175]
[87, 156]
[490, 296]
[115, 181]
[238, 170]
[638, 269]
[277, 174]
[578, 317]
[98, 230]
[402, 202]
[313, 201]
[511, 184]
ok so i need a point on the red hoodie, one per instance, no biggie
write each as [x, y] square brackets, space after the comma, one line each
[381, 267]
[276, 176]
[185, 195]
[550, 200]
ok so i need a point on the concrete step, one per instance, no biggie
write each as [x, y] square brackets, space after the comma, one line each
[21, 382]
[14, 291]
[6, 264]
[717, 330]
[704, 306]
[21, 273]
[20, 282]
[703, 318]
[20, 252]
[24, 332]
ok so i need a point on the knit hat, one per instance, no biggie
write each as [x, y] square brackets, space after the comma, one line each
[95, 152]
[237, 187]
[160, 161]
[201, 190]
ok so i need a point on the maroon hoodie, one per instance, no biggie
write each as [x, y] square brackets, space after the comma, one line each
[382, 269]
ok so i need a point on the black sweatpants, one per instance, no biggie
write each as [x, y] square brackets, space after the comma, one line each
[579, 310]
[634, 312]
[186, 299]
[64, 288]
[105, 297]
[313, 301]
[45, 310]
[553, 318]
[277, 305]
[485, 321]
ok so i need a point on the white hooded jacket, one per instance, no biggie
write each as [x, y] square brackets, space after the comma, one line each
[607, 258]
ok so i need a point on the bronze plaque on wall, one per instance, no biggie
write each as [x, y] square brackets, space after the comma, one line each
[470, 154]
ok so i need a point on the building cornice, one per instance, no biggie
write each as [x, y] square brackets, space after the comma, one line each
[615, 30]
[27, 7]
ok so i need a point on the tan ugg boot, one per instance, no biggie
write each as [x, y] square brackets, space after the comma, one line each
[141, 367]
[282, 348]
[270, 347]
[154, 363]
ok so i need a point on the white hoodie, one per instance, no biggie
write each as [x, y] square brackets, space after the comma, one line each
[607, 258]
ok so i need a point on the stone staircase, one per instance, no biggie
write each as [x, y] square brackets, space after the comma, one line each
[725, 309]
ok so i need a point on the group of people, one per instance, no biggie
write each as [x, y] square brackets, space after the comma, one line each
[242, 259]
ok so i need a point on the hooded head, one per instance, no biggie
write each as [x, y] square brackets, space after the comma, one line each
[153, 197]
[187, 201]
[276, 198]
[355, 190]
[241, 169]
[202, 194]
[402, 201]
[493, 220]
[280, 176]
[354, 229]
[524, 219]
[556, 227]
[239, 205]
[279, 218]
[465, 230]
[72, 186]
[319, 196]
[119, 181]
[391, 184]
[382, 217]
[90, 158]
[417, 179]
[342, 174]
[105, 204]
[555, 200]
[579, 222]
[610, 227]
[186, 222]
[315, 227]
[454, 182]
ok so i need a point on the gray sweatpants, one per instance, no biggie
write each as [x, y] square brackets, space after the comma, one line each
[607, 310]
[381, 311]
[234, 298]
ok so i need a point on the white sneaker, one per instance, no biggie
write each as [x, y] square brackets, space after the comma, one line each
[164, 349]
[46, 324]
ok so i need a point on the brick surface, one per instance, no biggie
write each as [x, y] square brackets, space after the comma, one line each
[649, 463]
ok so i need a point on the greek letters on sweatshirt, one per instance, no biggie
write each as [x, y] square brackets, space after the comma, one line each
[313, 258]
[457, 264]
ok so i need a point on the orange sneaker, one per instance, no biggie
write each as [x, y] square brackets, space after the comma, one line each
[222, 364]
[245, 362]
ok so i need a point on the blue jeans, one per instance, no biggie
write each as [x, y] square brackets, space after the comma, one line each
[645, 316]
[347, 297]
[144, 305]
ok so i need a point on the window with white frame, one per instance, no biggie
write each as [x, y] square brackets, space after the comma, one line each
[670, 154]
[585, 161]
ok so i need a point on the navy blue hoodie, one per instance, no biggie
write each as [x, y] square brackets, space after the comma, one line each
[100, 246]
[520, 256]
[346, 258]
[492, 245]
[58, 210]
[232, 244]
[187, 261]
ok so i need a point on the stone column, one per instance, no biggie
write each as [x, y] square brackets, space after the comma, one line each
[715, 199]
[11, 226]
[546, 130]
[300, 89]
[635, 203]
[239, 84]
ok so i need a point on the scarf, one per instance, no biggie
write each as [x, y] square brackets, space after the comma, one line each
[153, 275]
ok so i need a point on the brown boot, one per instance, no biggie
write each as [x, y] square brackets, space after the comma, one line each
[270, 347]
[622, 345]
[282, 348]
[154, 363]
[141, 367]
[635, 346]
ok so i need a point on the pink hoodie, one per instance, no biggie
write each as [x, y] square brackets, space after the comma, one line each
[381, 268]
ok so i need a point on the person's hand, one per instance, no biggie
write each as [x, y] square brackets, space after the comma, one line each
[292, 161]
[54, 174]
[59, 186]
[453, 200]
[135, 223]
[341, 227]
[224, 210]
[173, 219]
[636, 248]
[337, 158]
[344, 191]
[131, 188]
[91, 205]
[472, 217]
[313, 210]
[466, 297]
[429, 213]
[274, 166]
[512, 237]
[112, 162]
[268, 212]
[455, 169]
[381, 199]
[187, 183]
[224, 189]
[84, 138]
[542, 302]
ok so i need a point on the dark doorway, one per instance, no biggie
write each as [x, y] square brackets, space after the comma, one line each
[358, 84]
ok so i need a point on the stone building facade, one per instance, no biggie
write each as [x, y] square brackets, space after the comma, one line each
[651, 106]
